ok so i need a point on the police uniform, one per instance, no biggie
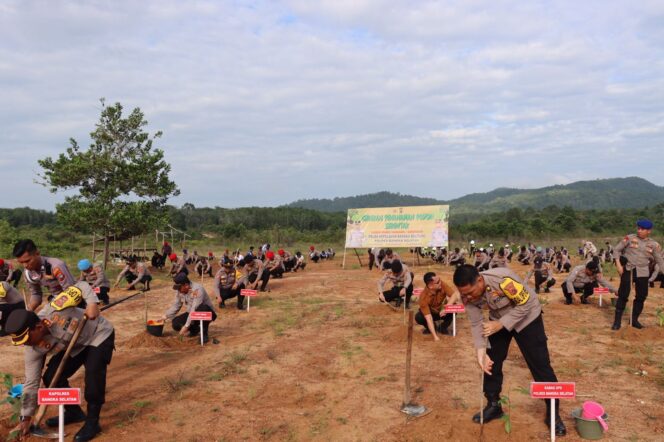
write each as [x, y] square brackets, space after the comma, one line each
[498, 261]
[578, 281]
[97, 280]
[635, 254]
[252, 270]
[542, 271]
[656, 275]
[275, 266]
[203, 266]
[139, 274]
[10, 300]
[524, 256]
[403, 279]
[179, 266]
[53, 274]
[224, 281]
[195, 300]
[511, 302]
[93, 349]
[8, 273]
[482, 261]
[456, 258]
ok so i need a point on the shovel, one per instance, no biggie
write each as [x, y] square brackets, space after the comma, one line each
[35, 429]
[410, 409]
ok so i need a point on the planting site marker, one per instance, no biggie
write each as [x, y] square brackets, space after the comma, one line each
[59, 397]
[201, 316]
[454, 309]
[600, 291]
[553, 391]
[249, 294]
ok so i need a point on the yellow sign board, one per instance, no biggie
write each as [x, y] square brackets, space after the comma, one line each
[415, 226]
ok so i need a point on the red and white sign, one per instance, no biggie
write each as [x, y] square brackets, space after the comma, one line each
[248, 292]
[59, 396]
[552, 390]
[455, 308]
[200, 316]
[599, 290]
[97, 290]
[417, 292]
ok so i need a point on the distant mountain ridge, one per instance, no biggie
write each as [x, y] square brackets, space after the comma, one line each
[601, 194]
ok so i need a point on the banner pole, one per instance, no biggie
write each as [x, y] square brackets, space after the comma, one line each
[343, 264]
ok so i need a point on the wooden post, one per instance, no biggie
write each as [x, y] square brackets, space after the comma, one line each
[358, 257]
[409, 352]
[343, 263]
[93, 247]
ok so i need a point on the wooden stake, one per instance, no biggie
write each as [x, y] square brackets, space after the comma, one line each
[358, 257]
[409, 352]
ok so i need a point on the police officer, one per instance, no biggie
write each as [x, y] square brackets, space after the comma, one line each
[52, 273]
[135, 272]
[225, 286]
[253, 271]
[514, 312]
[8, 273]
[10, 300]
[482, 259]
[402, 283]
[584, 279]
[194, 298]
[524, 256]
[456, 258]
[274, 264]
[203, 266]
[300, 263]
[543, 274]
[631, 257]
[178, 265]
[499, 259]
[50, 332]
[95, 276]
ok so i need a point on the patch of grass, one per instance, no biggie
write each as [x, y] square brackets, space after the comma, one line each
[615, 362]
[342, 420]
[152, 418]
[363, 372]
[178, 383]
[283, 322]
[339, 310]
[142, 404]
[523, 390]
[459, 403]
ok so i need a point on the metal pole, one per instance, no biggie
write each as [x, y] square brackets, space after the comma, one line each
[553, 420]
[201, 332]
[409, 352]
[453, 324]
[61, 423]
[343, 263]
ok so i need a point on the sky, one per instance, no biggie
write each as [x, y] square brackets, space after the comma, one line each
[266, 102]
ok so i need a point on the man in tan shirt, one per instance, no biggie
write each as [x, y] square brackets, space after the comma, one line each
[433, 299]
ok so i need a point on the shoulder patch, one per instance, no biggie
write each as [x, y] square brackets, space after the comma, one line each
[59, 275]
[3, 292]
[514, 290]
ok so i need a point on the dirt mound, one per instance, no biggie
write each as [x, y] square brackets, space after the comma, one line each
[146, 340]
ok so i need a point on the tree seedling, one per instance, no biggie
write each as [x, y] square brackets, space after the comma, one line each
[660, 316]
[507, 421]
[14, 403]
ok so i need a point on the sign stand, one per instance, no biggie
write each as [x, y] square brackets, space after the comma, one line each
[249, 294]
[201, 316]
[553, 391]
[454, 309]
[600, 291]
[343, 263]
[59, 397]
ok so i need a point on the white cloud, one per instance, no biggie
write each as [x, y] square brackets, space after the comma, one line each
[335, 95]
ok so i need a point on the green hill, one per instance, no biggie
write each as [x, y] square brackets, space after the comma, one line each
[613, 193]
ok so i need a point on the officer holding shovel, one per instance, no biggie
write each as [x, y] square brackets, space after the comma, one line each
[514, 312]
[194, 298]
[50, 332]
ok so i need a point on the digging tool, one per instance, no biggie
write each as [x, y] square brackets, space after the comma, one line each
[486, 341]
[106, 307]
[410, 409]
[35, 429]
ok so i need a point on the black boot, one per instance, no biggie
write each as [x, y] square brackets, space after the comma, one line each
[73, 414]
[637, 308]
[91, 427]
[584, 299]
[493, 410]
[561, 430]
[617, 320]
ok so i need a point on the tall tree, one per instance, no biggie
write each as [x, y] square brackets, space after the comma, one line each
[122, 181]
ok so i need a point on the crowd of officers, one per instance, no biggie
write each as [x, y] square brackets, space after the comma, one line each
[73, 306]
[487, 284]
[515, 311]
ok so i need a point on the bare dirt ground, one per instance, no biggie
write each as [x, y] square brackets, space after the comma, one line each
[318, 358]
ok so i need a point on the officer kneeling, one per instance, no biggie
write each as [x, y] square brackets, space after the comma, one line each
[50, 332]
[195, 299]
[514, 312]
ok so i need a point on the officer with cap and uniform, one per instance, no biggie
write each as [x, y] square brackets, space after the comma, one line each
[274, 264]
[194, 298]
[135, 272]
[402, 283]
[631, 257]
[94, 275]
[10, 300]
[52, 273]
[225, 286]
[584, 279]
[8, 273]
[514, 312]
[543, 274]
[203, 266]
[49, 333]
[252, 271]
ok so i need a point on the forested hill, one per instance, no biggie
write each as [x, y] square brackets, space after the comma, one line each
[613, 193]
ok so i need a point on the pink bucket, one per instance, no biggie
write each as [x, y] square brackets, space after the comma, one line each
[593, 410]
